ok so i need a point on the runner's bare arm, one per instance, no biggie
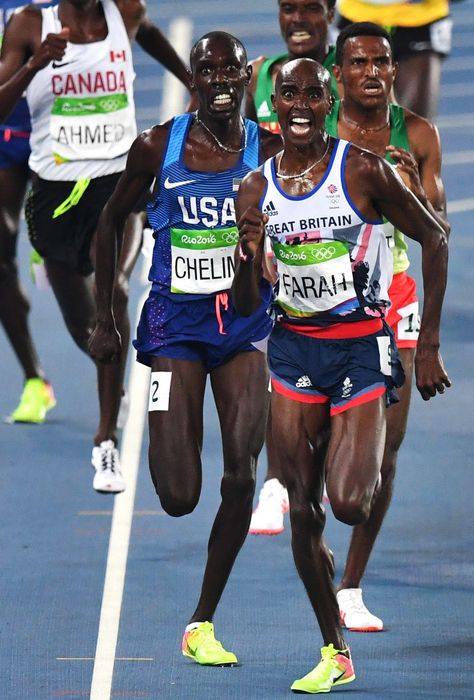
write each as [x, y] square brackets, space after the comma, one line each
[151, 38]
[153, 41]
[400, 206]
[23, 55]
[422, 167]
[143, 163]
[249, 255]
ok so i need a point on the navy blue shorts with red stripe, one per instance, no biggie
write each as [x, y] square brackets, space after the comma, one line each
[340, 372]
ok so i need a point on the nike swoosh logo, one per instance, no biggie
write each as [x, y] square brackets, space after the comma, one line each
[60, 65]
[171, 185]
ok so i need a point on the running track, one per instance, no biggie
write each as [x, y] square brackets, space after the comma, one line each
[60, 638]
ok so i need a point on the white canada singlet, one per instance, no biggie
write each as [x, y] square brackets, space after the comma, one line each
[82, 108]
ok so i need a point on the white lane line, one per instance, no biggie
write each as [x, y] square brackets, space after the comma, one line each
[458, 158]
[458, 206]
[102, 675]
[454, 121]
[118, 658]
[464, 89]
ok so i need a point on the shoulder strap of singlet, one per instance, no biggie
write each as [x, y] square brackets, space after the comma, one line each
[252, 151]
[398, 129]
[176, 135]
[50, 19]
[332, 119]
[264, 75]
[327, 63]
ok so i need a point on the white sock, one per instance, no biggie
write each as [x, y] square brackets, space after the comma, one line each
[192, 626]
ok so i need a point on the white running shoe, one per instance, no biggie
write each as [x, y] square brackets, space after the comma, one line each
[267, 518]
[106, 462]
[354, 614]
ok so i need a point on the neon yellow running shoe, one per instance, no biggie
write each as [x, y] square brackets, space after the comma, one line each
[334, 669]
[36, 400]
[201, 645]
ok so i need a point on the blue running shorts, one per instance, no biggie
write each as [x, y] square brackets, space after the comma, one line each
[207, 330]
[340, 372]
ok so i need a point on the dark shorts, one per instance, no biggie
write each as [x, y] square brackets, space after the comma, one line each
[342, 373]
[66, 239]
[14, 149]
[411, 41]
[201, 330]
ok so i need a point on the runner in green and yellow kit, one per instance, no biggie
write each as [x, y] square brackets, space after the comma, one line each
[365, 71]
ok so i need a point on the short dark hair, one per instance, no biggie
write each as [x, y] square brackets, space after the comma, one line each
[331, 4]
[216, 35]
[359, 29]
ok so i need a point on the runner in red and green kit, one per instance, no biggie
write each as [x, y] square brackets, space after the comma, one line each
[365, 72]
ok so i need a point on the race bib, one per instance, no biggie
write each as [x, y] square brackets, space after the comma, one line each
[314, 277]
[202, 262]
[91, 128]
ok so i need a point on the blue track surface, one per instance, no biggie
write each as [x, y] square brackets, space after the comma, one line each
[55, 529]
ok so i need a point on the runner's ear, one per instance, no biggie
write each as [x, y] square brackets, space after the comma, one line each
[248, 74]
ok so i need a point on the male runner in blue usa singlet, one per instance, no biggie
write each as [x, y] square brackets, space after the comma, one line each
[331, 356]
[189, 327]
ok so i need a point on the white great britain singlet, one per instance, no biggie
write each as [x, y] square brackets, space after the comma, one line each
[332, 263]
[82, 108]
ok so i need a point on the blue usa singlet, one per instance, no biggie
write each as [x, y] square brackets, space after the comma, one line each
[193, 219]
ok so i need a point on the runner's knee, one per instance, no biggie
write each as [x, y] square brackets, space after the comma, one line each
[238, 487]
[306, 516]
[353, 509]
[176, 502]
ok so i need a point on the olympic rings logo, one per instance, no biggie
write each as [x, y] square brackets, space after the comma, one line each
[230, 237]
[110, 105]
[321, 254]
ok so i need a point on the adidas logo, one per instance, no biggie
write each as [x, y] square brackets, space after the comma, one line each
[303, 381]
[270, 210]
[346, 388]
[263, 110]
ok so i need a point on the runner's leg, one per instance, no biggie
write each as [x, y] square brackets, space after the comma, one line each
[240, 391]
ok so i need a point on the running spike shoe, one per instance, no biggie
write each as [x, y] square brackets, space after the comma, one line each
[335, 668]
[201, 645]
[36, 400]
[267, 518]
[354, 614]
[106, 462]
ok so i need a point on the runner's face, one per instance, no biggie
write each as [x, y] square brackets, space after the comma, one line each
[367, 72]
[302, 101]
[220, 74]
[304, 25]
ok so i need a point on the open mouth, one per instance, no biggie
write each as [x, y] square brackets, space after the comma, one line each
[223, 99]
[299, 36]
[300, 126]
[373, 88]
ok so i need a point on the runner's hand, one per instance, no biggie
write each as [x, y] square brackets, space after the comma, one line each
[431, 377]
[52, 48]
[252, 231]
[105, 343]
[407, 168]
